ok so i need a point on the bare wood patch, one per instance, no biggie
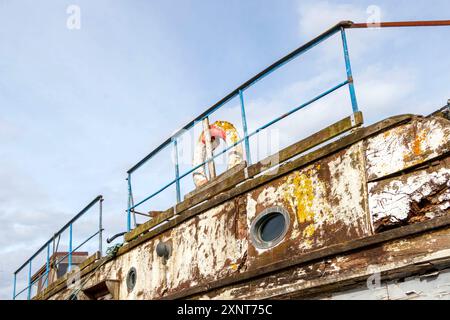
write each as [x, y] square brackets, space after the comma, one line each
[414, 197]
[391, 260]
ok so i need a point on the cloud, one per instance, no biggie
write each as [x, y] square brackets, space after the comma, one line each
[28, 218]
[383, 91]
[317, 16]
[8, 131]
[384, 86]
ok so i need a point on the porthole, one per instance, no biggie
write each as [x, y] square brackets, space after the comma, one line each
[269, 228]
[131, 279]
[163, 250]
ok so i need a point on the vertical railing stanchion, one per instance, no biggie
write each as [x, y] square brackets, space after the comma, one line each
[349, 71]
[100, 227]
[244, 125]
[54, 246]
[53, 258]
[47, 265]
[209, 149]
[70, 247]
[29, 281]
[14, 286]
[129, 204]
[177, 170]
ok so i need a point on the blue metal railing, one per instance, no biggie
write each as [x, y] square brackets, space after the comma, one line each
[54, 241]
[340, 27]
[239, 92]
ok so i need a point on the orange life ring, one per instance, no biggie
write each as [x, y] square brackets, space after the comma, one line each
[218, 130]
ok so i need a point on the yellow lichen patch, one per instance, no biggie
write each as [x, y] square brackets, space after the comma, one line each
[229, 130]
[302, 191]
[309, 231]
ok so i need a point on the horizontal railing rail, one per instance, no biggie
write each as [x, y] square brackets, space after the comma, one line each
[242, 140]
[239, 92]
[309, 45]
[282, 61]
[52, 260]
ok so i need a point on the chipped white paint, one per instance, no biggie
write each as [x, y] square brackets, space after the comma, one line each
[218, 252]
[323, 199]
[251, 206]
[405, 146]
[349, 186]
[274, 285]
[315, 203]
[269, 197]
[181, 265]
[395, 198]
[202, 250]
[411, 288]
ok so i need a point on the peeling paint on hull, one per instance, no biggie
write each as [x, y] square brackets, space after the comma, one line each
[397, 178]
[326, 203]
[414, 197]
[405, 146]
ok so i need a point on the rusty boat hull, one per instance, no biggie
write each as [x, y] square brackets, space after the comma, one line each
[368, 217]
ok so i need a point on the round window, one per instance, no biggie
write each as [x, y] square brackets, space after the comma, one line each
[131, 279]
[269, 228]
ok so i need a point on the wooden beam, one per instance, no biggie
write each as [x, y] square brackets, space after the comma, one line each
[308, 143]
[343, 284]
[102, 288]
[327, 252]
[356, 244]
[219, 179]
[342, 248]
[161, 217]
[248, 185]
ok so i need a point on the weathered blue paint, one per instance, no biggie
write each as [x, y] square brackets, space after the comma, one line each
[129, 203]
[239, 92]
[348, 68]
[46, 246]
[29, 281]
[14, 286]
[47, 265]
[275, 66]
[244, 126]
[177, 169]
[70, 246]
[241, 140]
[100, 228]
